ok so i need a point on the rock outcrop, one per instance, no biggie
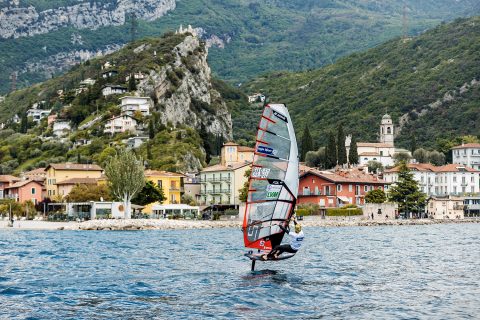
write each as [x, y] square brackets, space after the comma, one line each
[16, 21]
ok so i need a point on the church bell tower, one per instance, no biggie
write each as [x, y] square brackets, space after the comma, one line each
[386, 130]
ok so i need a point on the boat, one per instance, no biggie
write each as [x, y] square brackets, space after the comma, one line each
[273, 183]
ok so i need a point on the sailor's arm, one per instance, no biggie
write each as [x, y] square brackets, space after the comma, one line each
[284, 229]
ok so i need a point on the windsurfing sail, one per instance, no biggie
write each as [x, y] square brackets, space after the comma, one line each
[273, 182]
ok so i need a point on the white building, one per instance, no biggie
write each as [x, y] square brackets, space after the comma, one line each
[135, 142]
[382, 151]
[256, 96]
[110, 89]
[130, 105]
[221, 184]
[172, 211]
[87, 82]
[16, 119]
[120, 124]
[38, 114]
[467, 154]
[136, 76]
[451, 179]
[61, 128]
[445, 207]
[109, 73]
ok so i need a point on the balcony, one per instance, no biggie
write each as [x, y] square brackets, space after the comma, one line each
[176, 189]
[472, 207]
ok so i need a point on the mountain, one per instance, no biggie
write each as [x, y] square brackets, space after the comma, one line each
[429, 84]
[40, 38]
[188, 120]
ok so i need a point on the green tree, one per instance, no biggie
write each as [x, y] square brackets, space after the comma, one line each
[24, 123]
[125, 173]
[341, 150]
[375, 196]
[331, 152]
[243, 193]
[132, 85]
[150, 193]
[315, 158]
[406, 192]
[436, 158]
[375, 166]
[89, 192]
[307, 143]
[413, 143]
[421, 155]
[353, 154]
[151, 129]
[401, 157]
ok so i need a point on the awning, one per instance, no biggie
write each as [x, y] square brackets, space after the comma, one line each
[344, 199]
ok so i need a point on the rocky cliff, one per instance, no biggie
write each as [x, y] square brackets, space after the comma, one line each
[17, 21]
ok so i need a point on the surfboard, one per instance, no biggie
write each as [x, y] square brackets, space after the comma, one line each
[258, 256]
[273, 182]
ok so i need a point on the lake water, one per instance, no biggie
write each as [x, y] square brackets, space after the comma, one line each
[348, 273]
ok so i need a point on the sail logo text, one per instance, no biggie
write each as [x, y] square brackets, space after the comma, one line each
[261, 173]
[266, 150]
[273, 191]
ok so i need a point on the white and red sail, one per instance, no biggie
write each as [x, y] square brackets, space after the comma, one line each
[273, 183]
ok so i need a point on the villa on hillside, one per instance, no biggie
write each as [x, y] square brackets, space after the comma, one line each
[109, 73]
[129, 105]
[234, 153]
[381, 151]
[61, 128]
[38, 114]
[110, 89]
[120, 124]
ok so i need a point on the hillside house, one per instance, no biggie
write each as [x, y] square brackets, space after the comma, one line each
[110, 89]
[135, 142]
[38, 114]
[87, 82]
[467, 154]
[120, 124]
[109, 74]
[256, 97]
[59, 172]
[232, 153]
[450, 179]
[61, 128]
[333, 189]
[129, 105]
[137, 76]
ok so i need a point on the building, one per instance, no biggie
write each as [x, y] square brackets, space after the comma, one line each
[87, 82]
[109, 73]
[170, 182]
[137, 76]
[5, 182]
[467, 154]
[110, 89]
[38, 114]
[65, 186]
[59, 172]
[51, 119]
[382, 151]
[135, 142]
[192, 186]
[445, 207]
[233, 153]
[472, 205]
[129, 105]
[220, 184]
[256, 97]
[61, 128]
[26, 190]
[120, 124]
[38, 174]
[333, 189]
[97, 210]
[175, 211]
[380, 211]
[450, 179]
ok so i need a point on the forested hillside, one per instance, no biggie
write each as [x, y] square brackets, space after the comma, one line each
[430, 85]
[248, 37]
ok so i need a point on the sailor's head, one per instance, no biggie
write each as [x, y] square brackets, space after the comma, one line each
[298, 228]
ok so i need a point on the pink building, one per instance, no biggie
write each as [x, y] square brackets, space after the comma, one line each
[23, 191]
[5, 182]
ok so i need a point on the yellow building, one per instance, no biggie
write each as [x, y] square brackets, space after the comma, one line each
[233, 153]
[170, 182]
[57, 173]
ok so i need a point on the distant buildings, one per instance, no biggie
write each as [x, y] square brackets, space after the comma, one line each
[109, 74]
[135, 142]
[129, 105]
[61, 128]
[120, 124]
[256, 97]
[467, 154]
[450, 179]
[333, 189]
[382, 151]
[38, 114]
[110, 89]
[137, 76]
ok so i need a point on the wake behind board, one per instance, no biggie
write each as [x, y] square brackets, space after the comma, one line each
[258, 256]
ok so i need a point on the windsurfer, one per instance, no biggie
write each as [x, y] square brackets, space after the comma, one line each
[296, 240]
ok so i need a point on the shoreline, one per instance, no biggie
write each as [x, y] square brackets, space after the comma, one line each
[156, 224]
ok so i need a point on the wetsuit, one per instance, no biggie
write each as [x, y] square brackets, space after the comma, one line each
[296, 240]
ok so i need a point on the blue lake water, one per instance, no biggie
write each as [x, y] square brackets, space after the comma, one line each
[348, 273]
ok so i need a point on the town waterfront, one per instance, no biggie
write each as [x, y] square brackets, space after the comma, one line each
[386, 272]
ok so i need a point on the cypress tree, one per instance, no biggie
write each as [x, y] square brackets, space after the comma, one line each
[151, 129]
[307, 143]
[413, 143]
[132, 86]
[353, 154]
[24, 124]
[341, 150]
[331, 152]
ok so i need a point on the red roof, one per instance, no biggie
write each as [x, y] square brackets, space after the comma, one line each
[346, 176]
[162, 173]
[374, 144]
[467, 145]
[431, 168]
[245, 149]
[23, 183]
[74, 166]
[8, 178]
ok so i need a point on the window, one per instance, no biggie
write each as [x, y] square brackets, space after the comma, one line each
[389, 130]
[350, 188]
[159, 182]
[357, 190]
[327, 190]
[339, 187]
[365, 188]
[33, 190]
